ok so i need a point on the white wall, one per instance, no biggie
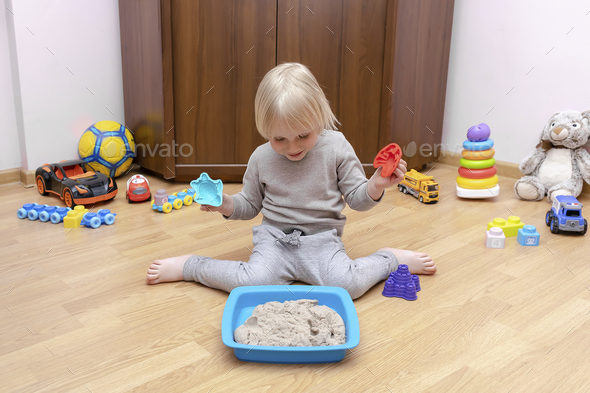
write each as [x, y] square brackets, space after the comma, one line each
[9, 143]
[69, 71]
[494, 45]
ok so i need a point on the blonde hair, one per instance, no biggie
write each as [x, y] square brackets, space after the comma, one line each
[290, 95]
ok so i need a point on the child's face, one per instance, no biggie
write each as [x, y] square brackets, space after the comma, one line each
[293, 145]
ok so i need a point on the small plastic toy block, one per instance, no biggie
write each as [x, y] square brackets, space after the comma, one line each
[402, 283]
[74, 217]
[388, 158]
[528, 236]
[44, 213]
[207, 191]
[495, 238]
[95, 220]
[510, 226]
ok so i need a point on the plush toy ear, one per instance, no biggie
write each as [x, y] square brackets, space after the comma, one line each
[586, 115]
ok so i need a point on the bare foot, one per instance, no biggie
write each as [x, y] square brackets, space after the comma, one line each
[418, 262]
[166, 270]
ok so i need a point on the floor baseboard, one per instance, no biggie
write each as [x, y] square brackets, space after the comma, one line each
[18, 175]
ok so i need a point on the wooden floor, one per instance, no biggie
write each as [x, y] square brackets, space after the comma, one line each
[77, 315]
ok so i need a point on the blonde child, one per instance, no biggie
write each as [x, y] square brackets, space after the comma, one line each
[300, 180]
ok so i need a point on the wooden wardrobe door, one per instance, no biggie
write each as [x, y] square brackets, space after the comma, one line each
[342, 42]
[221, 51]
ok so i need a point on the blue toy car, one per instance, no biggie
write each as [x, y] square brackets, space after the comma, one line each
[95, 220]
[44, 213]
[566, 216]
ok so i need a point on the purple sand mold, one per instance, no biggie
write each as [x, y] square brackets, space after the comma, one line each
[402, 283]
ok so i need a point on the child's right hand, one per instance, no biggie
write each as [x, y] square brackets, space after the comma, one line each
[226, 208]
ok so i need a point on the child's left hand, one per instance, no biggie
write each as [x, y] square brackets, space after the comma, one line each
[377, 183]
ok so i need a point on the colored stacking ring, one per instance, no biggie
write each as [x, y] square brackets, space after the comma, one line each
[478, 164]
[478, 146]
[478, 155]
[477, 173]
[476, 184]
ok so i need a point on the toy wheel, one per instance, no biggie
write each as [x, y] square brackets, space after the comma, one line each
[33, 215]
[69, 199]
[405, 190]
[177, 204]
[127, 197]
[21, 213]
[109, 219]
[188, 200]
[94, 222]
[400, 188]
[55, 218]
[554, 225]
[421, 200]
[167, 207]
[548, 217]
[41, 186]
[585, 227]
[43, 216]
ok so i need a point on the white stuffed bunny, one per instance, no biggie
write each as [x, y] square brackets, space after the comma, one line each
[559, 163]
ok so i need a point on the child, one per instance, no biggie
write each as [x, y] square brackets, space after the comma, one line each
[300, 181]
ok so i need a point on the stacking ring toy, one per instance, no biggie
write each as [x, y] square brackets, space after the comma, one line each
[476, 184]
[478, 146]
[477, 173]
[478, 155]
[477, 164]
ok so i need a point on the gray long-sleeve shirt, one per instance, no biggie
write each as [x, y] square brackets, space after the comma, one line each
[307, 195]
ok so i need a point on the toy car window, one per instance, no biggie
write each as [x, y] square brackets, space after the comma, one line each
[572, 213]
[432, 188]
[58, 172]
[73, 170]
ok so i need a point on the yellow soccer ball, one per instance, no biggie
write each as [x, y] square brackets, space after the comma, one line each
[108, 147]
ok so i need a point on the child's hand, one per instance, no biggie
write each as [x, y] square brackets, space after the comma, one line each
[377, 183]
[226, 208]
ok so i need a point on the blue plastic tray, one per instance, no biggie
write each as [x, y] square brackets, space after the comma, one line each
[242, 301]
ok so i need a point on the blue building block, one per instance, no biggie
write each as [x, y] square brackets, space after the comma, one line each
[528, 236]
[94, 220]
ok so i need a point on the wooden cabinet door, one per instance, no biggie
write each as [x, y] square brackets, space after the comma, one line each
[342, 42]
[220, 51]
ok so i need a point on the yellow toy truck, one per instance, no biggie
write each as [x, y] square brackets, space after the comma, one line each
[421, 186]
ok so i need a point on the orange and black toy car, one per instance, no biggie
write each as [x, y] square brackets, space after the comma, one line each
[76, 182]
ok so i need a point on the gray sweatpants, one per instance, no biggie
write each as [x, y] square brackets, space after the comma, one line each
[279, 259]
